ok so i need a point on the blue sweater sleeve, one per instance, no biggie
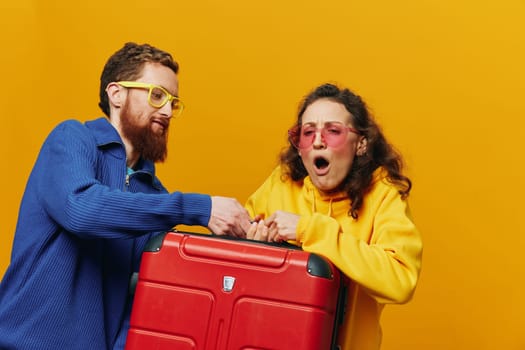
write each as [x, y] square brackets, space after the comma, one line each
[67, 186]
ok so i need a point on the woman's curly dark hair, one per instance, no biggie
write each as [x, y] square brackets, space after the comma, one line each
[379, 152]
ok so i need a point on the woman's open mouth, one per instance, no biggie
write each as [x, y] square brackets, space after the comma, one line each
[321, 165]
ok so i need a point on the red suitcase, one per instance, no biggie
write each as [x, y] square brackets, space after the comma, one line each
[203, 292]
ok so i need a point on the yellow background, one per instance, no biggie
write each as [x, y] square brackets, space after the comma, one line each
[445, 78]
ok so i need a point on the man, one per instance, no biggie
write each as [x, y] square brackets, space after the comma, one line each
[91, 203]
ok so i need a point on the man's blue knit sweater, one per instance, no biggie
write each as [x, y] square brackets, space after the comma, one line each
[82, 226]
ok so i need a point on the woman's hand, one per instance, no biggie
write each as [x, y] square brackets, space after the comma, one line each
[280, 226]
[258, 230]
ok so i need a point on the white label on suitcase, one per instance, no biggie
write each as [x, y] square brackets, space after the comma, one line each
[227, 283]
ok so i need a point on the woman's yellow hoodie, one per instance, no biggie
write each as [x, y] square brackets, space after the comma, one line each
[380, 252]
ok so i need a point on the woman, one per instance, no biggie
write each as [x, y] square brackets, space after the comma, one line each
[340, 192]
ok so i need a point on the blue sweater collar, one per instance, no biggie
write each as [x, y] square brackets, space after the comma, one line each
[106, 134]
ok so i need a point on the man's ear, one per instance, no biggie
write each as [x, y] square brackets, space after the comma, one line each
[115, 96]
[362, 146]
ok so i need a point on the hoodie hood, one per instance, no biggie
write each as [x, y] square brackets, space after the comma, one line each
[331, 205]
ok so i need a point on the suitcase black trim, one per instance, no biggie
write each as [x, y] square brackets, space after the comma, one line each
[155, 243]
[319, 266]
[340, 312]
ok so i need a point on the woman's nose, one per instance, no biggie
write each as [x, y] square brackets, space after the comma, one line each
[319, 140]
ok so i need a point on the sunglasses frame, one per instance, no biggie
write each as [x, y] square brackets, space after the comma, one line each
[294, 133]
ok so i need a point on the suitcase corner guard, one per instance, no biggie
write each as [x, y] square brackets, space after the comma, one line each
[319, 267]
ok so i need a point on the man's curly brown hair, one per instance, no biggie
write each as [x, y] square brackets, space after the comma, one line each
[127, 64]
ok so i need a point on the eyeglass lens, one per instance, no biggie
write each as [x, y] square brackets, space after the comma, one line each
[332, 134]
[158, 97]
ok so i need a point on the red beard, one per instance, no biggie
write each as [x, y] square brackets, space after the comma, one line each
[148, 144]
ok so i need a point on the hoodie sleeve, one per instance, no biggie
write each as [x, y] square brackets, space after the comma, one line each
[381, 251]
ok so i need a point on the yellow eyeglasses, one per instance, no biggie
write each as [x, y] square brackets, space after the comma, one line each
[157, 96]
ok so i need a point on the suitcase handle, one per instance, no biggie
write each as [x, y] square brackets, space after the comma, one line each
[155, 243]
[219, 249]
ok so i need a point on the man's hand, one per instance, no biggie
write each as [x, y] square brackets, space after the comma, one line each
[228, 217]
